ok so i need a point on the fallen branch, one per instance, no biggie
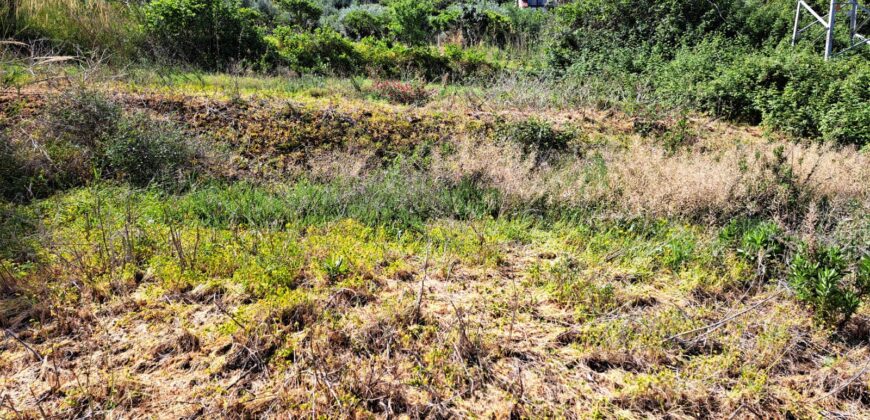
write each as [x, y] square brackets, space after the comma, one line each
[716, 325]
[10, 334]
[845, 383]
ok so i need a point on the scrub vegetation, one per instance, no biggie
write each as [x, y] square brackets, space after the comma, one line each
[294, 208]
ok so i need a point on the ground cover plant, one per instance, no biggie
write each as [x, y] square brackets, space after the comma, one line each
[417, 209]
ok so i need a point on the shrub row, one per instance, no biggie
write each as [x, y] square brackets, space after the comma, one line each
[732, 60]
[792, 91]
[327, 51]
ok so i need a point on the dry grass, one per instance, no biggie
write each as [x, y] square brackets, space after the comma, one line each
[513, 320]
[640, 178]
[490, 343]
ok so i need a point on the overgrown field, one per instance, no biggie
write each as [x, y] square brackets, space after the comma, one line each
[217, 246]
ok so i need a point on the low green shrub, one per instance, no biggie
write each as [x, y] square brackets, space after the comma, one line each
[60, 152]
[764, 245]
[322, 51]
[82, 117]
[143, 152]
[762, 240]
[533, 135]
[83, 134]
[823, 279]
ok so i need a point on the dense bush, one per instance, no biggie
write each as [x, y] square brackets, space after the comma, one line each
[143, 152]
[661, 26]
[410, 20]
[83, 134]
[392, 60]
[822, 278]
[502, 25]
[326, 51]
[301, 13]
[793, 91]
[322, 51]
[730, 60]
[358, 22]
[208, 33]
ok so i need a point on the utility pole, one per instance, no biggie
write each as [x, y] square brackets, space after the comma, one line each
[829, 23]
[829, 35]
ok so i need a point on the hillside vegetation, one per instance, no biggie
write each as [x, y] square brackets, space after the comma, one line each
[294, 208]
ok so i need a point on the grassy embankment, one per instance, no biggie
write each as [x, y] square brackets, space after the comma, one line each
[312, 248]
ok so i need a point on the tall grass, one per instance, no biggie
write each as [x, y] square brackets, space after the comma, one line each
[396, 199]
[76, 26]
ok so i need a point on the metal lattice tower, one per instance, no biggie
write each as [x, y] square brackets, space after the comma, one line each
[853, 11]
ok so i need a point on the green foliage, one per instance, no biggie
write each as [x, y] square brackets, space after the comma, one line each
[82, 116]
[572, 287]
[322, 51]
[478, 23]
[797, 93]
[534, 135]
[367, 20]
[502, 25]
[84, 133]
[821, 278]
[397, 198]
[394, 60]
[18, 227]
[761, 242]
[728, 60]
[409, 21]
[601, 25]
[678, 250]
[326, 51]
[74, 26]
[301, 13]
[143, 152]
[65, 145]
[208, 33]
[335, 268]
